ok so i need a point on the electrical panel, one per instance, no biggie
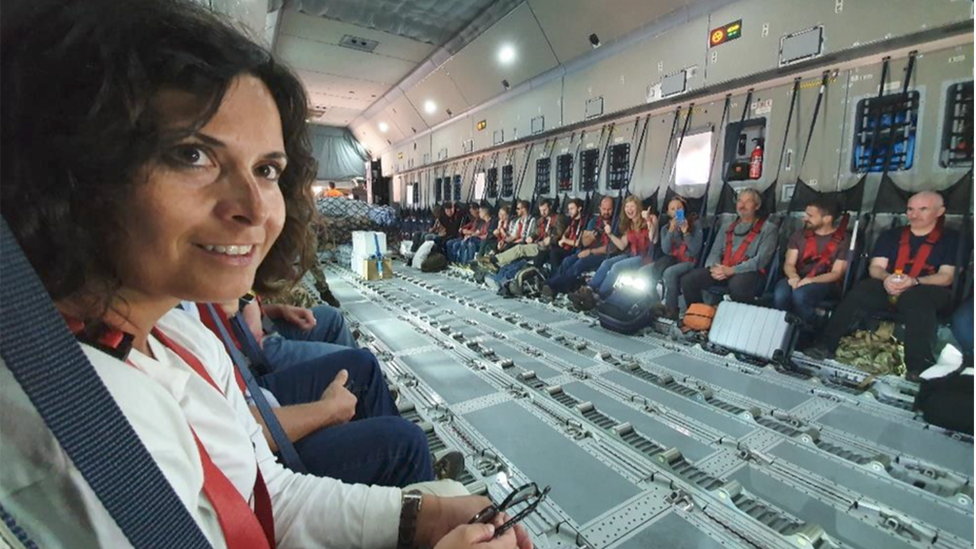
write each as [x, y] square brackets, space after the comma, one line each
[674, 84]
[543, 170]
[594, 107]
[801, 45]
[589, 167]
[457, 188]
[492, 178]
[957, 128]
[564, 172]
[437, 190]
[538, 124]
[885, 128]
[618, 167]
[508, 181]
[498, 137]
[745, 150]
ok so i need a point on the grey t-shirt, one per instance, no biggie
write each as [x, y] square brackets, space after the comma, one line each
[799, 241]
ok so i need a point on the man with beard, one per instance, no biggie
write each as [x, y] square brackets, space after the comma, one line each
[596, 246]
[816, 260]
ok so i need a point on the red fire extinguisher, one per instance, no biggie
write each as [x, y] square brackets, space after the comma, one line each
[756, 160]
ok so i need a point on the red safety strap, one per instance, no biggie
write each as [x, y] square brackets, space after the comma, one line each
[518, 231]
[920, 261]
[824, 260]
[573, 231]
[730, 259]
[544, 229]
[242, 527]
[604, 237]
[639, 241]
[681, 253]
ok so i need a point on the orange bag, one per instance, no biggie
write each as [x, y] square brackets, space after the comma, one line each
[698, 317]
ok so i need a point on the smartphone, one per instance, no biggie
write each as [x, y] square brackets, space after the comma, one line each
[679, 215]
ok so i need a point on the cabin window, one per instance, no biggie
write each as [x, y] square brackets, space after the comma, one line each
[694, 160]
[543, 169]
[957, 128]
[885, 129]
[564, 172]
[479, 185]
[618, 168]
[589, 166]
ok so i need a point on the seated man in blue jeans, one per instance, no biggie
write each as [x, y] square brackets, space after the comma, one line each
[339, 413]
[816, 260]
[596, 243]
[291, 335]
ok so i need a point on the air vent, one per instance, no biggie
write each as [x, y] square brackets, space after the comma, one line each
[357, 43]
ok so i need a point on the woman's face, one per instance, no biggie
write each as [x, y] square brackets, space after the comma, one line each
[673, 207]
[210, 207]
[631, 210]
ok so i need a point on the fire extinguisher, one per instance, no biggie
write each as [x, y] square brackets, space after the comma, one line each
[756, 160]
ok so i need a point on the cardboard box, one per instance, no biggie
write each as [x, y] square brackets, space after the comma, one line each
[371, 270]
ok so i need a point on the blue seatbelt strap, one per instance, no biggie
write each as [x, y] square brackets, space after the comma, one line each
[15, 530]
[287, 450]
[379, 255]
[63, 386]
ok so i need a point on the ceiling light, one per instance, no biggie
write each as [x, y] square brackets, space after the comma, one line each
[506, 54]
[384, 127]
[430, 107]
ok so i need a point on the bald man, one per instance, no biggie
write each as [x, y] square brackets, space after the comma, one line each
[595, 247]
[924, 253]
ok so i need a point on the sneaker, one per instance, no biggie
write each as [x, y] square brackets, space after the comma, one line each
[547, 293]
[492, 283]
[577, 300]
[449, 466]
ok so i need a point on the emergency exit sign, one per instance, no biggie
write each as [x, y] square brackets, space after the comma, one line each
[725, 33]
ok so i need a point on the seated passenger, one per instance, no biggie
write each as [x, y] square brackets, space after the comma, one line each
[911, 272]
[499, 233]
[569, 239]
[548, 226]
[742, 251]
[637, 232]
[962, 327]
[291, 335]
[816, 260]
[596, 247]
[681, 242]
[520, 228]
[471, 243]
[470, 228]
[180, 140]
[447, 226]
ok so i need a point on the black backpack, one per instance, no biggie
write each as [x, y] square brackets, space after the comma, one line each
[948, 401]
[434, 263]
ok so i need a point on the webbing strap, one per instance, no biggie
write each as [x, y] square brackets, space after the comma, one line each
[287, 450]
[813, 121]
[789, 122]
[63, 386]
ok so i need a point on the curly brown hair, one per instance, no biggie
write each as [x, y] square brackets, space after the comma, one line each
[71, 157]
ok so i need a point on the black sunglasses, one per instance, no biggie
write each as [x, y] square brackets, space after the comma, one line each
[528, 493]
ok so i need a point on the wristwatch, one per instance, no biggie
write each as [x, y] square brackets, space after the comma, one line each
[410, 503]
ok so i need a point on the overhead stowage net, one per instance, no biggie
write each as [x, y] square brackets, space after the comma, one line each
[618, 169]
[889, 121]
[589, 165]
[543, 169]
[491, 176]
[447, 188]
[564, 172]
[437, 190]
[508, 181]
[457, 188]
[957, 129]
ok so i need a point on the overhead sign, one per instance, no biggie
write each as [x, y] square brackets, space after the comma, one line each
[725, 33]
[482, 125]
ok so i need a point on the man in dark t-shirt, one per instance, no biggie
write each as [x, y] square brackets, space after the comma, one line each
[815, 263]
[912, 270]
[451, 219]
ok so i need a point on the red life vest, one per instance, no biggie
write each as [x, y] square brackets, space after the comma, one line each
[681, 252]
[604, 237]
[919, 263]
[521, 226]
[730, 259]
[639, 241]
[823, 261]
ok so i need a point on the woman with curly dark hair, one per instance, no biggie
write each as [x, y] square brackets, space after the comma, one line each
[153, 154]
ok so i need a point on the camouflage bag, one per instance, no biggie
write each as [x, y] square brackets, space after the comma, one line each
[877, 353]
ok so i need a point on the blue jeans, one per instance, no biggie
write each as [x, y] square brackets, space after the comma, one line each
[291, 345]
[602, 282]
[567, 278]
[801, 301]
[962, 326]
[469, 248]
[453, 249]
[377, 446]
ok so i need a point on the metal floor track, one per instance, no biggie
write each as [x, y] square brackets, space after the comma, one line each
[650, 443]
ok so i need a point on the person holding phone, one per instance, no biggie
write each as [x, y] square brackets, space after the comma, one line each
[681, 242]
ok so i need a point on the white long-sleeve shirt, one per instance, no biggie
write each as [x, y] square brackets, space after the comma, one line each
[160, 396]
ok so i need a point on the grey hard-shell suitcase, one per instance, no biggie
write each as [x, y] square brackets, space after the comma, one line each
[757, 332]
